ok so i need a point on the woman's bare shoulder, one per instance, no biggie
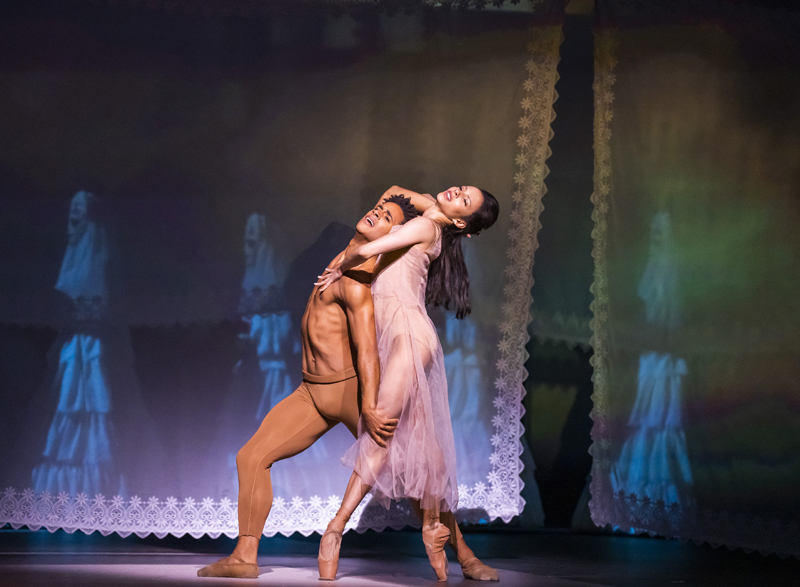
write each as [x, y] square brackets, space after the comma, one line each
[422, 223]
[425, 229]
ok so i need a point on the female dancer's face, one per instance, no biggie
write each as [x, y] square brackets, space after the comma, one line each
[457, 203]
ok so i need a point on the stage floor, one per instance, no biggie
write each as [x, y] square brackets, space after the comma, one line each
[544, 559]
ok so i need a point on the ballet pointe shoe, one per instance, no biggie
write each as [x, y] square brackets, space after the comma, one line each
[328, 559]
[474, 569]
[235, 570]
[434, 538]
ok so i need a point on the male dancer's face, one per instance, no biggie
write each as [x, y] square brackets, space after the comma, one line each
[379, 221]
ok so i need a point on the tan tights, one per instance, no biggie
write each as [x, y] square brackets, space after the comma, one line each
[288, 429]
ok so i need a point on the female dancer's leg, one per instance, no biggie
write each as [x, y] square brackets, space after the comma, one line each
[471, 565]
[397, 378]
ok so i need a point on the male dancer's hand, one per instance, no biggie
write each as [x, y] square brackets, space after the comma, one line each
[378, 426]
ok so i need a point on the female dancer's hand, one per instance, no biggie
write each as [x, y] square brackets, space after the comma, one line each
[378, 426]
[328, 278]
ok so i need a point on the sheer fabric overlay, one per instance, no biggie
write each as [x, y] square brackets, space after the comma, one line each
[683, 358]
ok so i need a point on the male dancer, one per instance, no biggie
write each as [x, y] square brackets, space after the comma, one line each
[340, 359]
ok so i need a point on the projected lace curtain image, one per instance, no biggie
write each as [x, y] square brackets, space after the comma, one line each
[222, 221]
[653, 462]
[98, 411]
[696, 317]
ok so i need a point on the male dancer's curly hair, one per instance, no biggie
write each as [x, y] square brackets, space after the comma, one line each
[406, 206]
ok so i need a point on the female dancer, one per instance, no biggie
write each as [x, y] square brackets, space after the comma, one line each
[421, 262]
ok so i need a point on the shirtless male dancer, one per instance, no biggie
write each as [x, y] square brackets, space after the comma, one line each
[341, 373]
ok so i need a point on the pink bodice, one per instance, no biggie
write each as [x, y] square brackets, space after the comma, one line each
[407, 278]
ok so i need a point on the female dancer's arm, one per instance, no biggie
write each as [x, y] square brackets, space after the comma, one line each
[420, 201]
[411, 233]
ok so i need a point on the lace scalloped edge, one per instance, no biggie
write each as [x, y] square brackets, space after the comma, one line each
[539, 95]
[209, 517]
[641, 515]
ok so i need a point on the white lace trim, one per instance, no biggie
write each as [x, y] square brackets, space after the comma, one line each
[604, 78]
[499, 497]
[206, 516]
[533, 141]
[657, 518]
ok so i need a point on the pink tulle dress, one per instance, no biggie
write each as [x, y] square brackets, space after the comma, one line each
[420, 460]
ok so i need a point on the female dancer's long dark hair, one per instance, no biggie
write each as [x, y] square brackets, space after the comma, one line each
[448, 281]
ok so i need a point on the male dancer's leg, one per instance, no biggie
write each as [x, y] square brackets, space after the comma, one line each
[342, 406]
[288, 429]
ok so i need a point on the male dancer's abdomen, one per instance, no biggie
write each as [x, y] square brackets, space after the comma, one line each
[325, 338]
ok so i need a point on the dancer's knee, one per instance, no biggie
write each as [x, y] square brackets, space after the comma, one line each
[248, 459]
[375, 461]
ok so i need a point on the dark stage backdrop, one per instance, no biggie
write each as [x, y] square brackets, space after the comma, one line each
[172, 185]
[696, 314]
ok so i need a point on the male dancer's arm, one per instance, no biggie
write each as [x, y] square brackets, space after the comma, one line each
[361, 321]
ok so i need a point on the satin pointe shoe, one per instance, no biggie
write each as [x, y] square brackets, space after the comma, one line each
[474, 569]
[434, 538]
[328, 559]
[235, 570]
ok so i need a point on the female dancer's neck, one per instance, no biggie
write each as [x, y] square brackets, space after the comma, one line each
[435, 213]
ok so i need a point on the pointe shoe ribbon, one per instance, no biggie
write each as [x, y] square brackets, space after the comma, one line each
[474, 569]
[328, 559]
[434, 538]
[235, 570]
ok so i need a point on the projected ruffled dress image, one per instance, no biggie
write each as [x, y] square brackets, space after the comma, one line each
[100, 437]
[465, 382]
[270, 328]
[654, 463]
[79, 455]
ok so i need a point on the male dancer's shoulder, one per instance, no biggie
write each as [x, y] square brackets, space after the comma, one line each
[357, 278]
[356, 286]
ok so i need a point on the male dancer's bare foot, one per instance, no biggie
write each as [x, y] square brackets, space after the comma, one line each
[242, 562]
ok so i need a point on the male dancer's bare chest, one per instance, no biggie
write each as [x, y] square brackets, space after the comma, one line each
[324, 334]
